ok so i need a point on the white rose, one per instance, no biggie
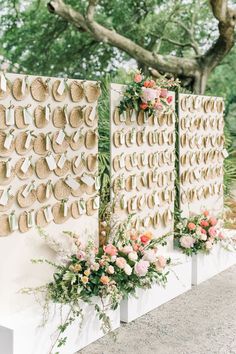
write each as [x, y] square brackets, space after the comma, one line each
[150, 256]
[127, 269]
[133, 256]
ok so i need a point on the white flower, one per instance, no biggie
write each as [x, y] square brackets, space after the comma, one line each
[133, 256]
[150, 256]
[127, 269]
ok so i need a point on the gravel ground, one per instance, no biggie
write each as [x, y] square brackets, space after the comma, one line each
[201, 321]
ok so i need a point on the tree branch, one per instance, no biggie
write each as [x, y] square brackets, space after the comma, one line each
[221, 47]
[91, 9]
[167, 63]
[183, 45]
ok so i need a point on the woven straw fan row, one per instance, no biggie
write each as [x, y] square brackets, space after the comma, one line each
[59, 142]
[22, 118]
[192, 124]
[130, 116]
[201, 174]
[58, 213]
[207, 157]
[40, 89]
[60, 165]
[200, 103]
[157, 221]
[200, 193]
[29, 193]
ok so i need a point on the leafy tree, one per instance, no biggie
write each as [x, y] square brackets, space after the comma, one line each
[91, 38]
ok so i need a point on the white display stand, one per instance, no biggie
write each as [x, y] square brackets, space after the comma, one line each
[22, 333]
[179, 281]
[206, 266]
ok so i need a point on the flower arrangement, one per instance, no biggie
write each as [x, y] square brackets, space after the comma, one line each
[145, 94]
[109, 272]
[199, 233]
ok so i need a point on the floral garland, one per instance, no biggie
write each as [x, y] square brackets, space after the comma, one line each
[110, 272]
[199, 233]
[145, 94]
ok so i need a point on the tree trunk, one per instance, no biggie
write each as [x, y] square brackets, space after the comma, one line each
[200, 82]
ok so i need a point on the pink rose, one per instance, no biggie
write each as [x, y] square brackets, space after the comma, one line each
[206, 213]
[141, 268]
[158, 105]
[121, 262]
[148, 94]
[187, 241]
[191, 226]
[213, 221]
[204, 223]
[81, 255]
[110, 250]
[163, 93]
[138, 78]
[208, 245]
[203, 231]
[212, 232]
[169, 99]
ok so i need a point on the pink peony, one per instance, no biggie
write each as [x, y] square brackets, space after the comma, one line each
[141, 268]
[213, 221]
[138, 78]
[121, 262]
[212, 232]
[208, 245]
[191, 226]
[187, 241]
[163, 93]
[110, 250]
[148, 94]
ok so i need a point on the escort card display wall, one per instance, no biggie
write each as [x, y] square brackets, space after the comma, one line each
[48, 152]
[201, 153]
[142, 165]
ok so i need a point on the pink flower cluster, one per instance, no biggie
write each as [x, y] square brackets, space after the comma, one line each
[203, 230]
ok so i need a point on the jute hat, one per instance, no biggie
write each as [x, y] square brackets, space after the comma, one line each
[26, 202]
[76, 117]
[59, 117]
[39, 89]
[76, 91]
[9, 204]
[41, 168]
[5, 226]
[20, 143]
[4, 94]
[57, 97]
[91, 139]
[58, 213]
[40, 218]
[61, 190]
[40, 147]
[4, 180]
[57, 148]
[19, 118]
[23, 227]
[91, 207]
[92, 91]
[76, 145]
[41, 192]
[92, 162]
[3, 117]
[60, 172]
[17, 89]
[23, 175]
[40, 117]
[3, 151]
[90, 116]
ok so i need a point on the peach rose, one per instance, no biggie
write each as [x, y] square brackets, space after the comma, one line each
[191, 226]
[104, 279]
[206, 213]
[84, 280]
[204, 223]
[213, 221]
[138, 78]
